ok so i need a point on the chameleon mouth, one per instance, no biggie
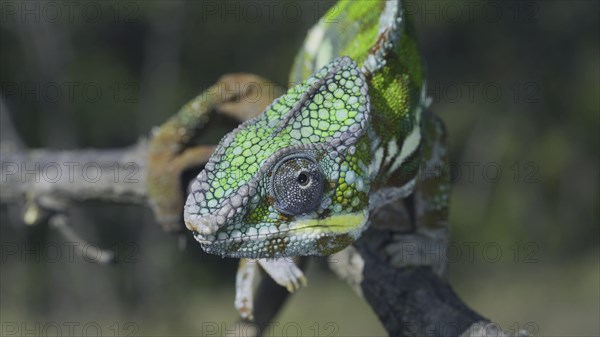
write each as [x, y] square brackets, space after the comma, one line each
[299, 238]
[210, 239]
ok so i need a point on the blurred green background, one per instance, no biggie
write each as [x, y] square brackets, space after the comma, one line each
[516, 82]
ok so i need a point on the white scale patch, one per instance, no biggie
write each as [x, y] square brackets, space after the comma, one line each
[315, 36]
[376, 163]
[318, 48]
[325, 54]
[392, 151]
[411, 143]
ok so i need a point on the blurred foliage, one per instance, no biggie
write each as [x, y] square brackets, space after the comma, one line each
[542, 131]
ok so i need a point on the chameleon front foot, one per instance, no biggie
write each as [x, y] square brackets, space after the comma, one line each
[283, 271]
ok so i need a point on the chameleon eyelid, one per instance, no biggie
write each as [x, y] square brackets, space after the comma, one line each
[281, 203]
[287, 157]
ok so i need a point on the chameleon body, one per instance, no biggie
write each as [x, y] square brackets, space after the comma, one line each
[306, 176]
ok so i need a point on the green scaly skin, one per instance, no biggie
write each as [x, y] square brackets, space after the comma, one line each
[304, 177]
[234, 209]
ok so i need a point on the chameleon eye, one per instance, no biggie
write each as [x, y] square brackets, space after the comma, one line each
[297, 184]
[303, 179]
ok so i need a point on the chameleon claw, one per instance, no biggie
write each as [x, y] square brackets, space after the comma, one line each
[303, 281]
[285, 273]
[297, 282]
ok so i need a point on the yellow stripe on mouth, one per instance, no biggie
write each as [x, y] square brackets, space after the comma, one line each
[334, 224]
[337, 224]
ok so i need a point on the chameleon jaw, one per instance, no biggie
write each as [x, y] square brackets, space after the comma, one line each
[299, 238]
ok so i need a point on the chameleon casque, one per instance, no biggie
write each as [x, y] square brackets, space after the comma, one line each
[307, 176]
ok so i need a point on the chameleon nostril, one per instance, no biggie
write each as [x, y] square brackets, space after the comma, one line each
[205, 224]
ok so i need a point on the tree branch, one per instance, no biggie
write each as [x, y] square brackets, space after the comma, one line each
[117, 175]
[410, 301]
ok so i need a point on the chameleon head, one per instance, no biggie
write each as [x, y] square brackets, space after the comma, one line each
[294, 180]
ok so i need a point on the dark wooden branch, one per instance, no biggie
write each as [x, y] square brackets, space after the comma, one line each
[411, 301]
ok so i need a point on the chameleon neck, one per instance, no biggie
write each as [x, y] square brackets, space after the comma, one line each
[379, 36]
[396, 92]
[396, 100]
